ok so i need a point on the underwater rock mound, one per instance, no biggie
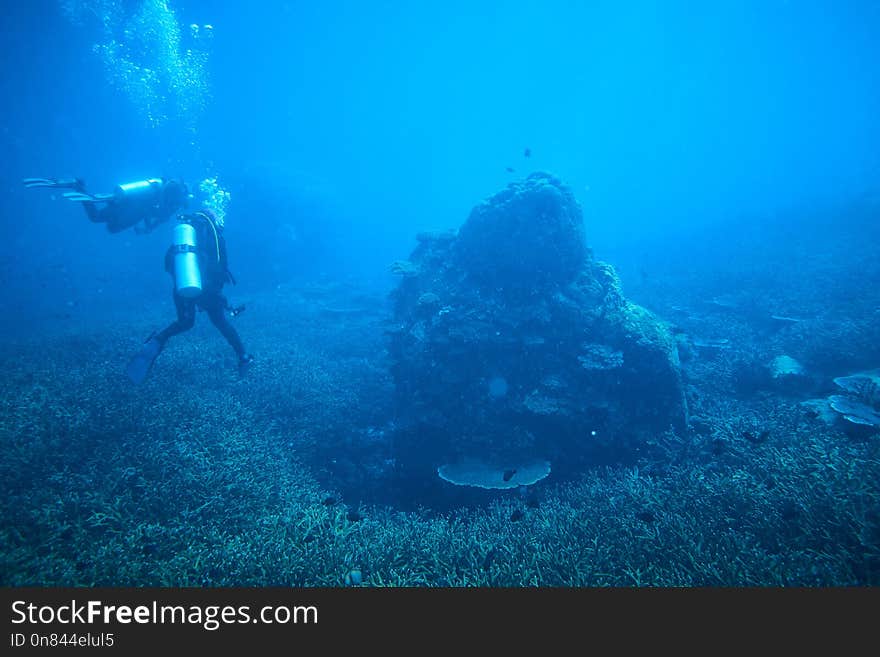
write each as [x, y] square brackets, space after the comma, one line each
[512, 344]
[528, 237]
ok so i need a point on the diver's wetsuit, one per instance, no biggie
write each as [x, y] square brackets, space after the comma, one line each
[152, 208]
[151, 201]
[213, 264]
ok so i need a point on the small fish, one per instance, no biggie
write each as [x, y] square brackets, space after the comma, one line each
[487, 560]
[756, 438]
[353, 516]
[329, 501]
[532, 500]
[509, 169]
[527, 152]
[508, 474]
[645, 516]
[789, 510]
[517, 515]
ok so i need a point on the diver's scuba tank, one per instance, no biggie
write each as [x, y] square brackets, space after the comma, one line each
[141, 189]
[187, 275]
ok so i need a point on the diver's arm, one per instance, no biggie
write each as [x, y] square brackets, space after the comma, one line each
[224, 260]
[169, 260]
[150, 224]
[144, 227]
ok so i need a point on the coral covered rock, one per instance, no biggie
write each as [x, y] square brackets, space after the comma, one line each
[528, 236]
[511, 343]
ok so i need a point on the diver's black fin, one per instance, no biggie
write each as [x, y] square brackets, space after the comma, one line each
[66, 183]
[139, 367]
[79, 196]
[38, 182]
[82, 197]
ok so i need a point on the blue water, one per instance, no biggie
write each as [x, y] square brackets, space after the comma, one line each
[725, 159]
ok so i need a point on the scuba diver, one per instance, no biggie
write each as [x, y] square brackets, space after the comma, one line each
[198, 265]
[152, 201]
